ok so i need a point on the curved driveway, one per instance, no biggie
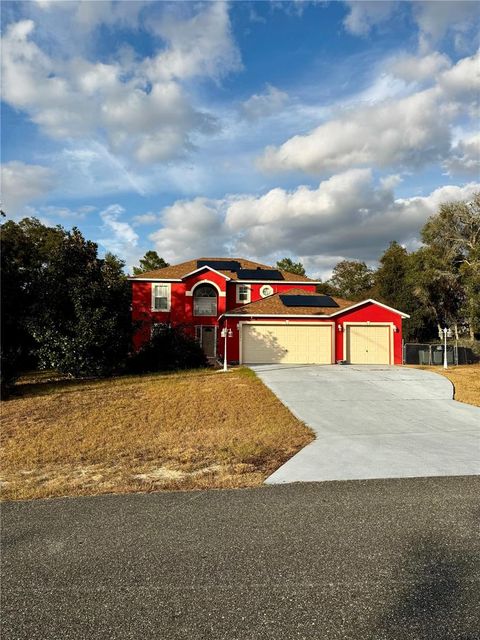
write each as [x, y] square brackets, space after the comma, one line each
[375, 422]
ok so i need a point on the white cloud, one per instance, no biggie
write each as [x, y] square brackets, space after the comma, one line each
[264, 104]
[462, 81]
[24, 183]
[348, 215]
[141, 106]
[145, 218]
[66, 213]
[88, 15]
[406, 132]
[434, 19]
[465, 157]
[191, 228]
[367, 14]
[122, 239]
[419, 68]
[198, 45]
[400, 133]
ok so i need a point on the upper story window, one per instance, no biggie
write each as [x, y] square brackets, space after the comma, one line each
[161, 295]
[205, 301]
[244, 293]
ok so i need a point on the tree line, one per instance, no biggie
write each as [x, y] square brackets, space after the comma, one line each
[66, 308]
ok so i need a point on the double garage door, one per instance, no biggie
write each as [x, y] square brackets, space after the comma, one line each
[287, 343]
[265, 343]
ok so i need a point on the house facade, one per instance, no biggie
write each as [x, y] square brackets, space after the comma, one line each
[271, 316]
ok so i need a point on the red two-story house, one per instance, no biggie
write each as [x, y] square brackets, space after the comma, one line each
[271, 316]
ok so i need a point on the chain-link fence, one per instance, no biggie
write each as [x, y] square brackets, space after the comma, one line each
[432, 354]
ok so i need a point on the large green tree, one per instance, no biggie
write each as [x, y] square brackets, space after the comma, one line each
[396, 281]
[63, 305]
[352, 279]
[150, 261]
[453, 235]
[287, 264]
[25, 249]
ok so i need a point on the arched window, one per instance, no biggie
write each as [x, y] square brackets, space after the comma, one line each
[205, 301]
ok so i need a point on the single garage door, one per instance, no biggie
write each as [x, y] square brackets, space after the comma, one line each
[368, 344]
[286, 343]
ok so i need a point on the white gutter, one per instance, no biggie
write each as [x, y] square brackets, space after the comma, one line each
[273, 315]
[135, 279]
[330, 315]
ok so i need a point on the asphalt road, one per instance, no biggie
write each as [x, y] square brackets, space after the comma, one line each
[376, 559]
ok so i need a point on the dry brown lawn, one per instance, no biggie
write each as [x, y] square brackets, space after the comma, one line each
[465, 379]
[189, 430]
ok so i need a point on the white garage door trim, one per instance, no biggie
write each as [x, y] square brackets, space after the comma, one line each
[287, 323]
[369, 324]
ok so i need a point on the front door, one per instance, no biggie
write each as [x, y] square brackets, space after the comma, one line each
[207, 340]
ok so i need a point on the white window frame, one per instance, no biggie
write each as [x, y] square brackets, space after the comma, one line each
[248, 288]
[200, 313]
[168, 288]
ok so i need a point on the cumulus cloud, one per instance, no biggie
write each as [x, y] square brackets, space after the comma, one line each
[192, 228]
[200, 45]
[120, 239]
[434, 19]
[264, 104]
[394, 133]
[465, 157]
[419, 68]
[407, 132]
[144, 219]
[88, 15]
[364, 15]
[24, 183]
[141, 106]
[349, 215]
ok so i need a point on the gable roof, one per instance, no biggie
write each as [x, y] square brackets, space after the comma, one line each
[179, 271]
[274, 306]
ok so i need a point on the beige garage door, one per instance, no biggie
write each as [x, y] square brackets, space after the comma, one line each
[368, 344]
[286, 343]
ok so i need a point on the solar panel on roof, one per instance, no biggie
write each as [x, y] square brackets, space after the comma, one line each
[260, 274]
[219, 265]
[307, 301]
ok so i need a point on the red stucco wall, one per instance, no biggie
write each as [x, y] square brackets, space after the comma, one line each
[181, 310]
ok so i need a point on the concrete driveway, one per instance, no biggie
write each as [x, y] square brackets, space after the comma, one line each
[375, 422]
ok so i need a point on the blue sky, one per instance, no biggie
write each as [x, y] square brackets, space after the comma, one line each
[317, 130]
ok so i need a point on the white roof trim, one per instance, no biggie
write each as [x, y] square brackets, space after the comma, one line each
[380, 304]
[304, 282]
[135, 279]
[329, 315]
[272, 315]
[187, 275]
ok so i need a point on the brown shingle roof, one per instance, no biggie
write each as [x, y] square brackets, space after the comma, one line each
[178, 271]
[274, 306]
